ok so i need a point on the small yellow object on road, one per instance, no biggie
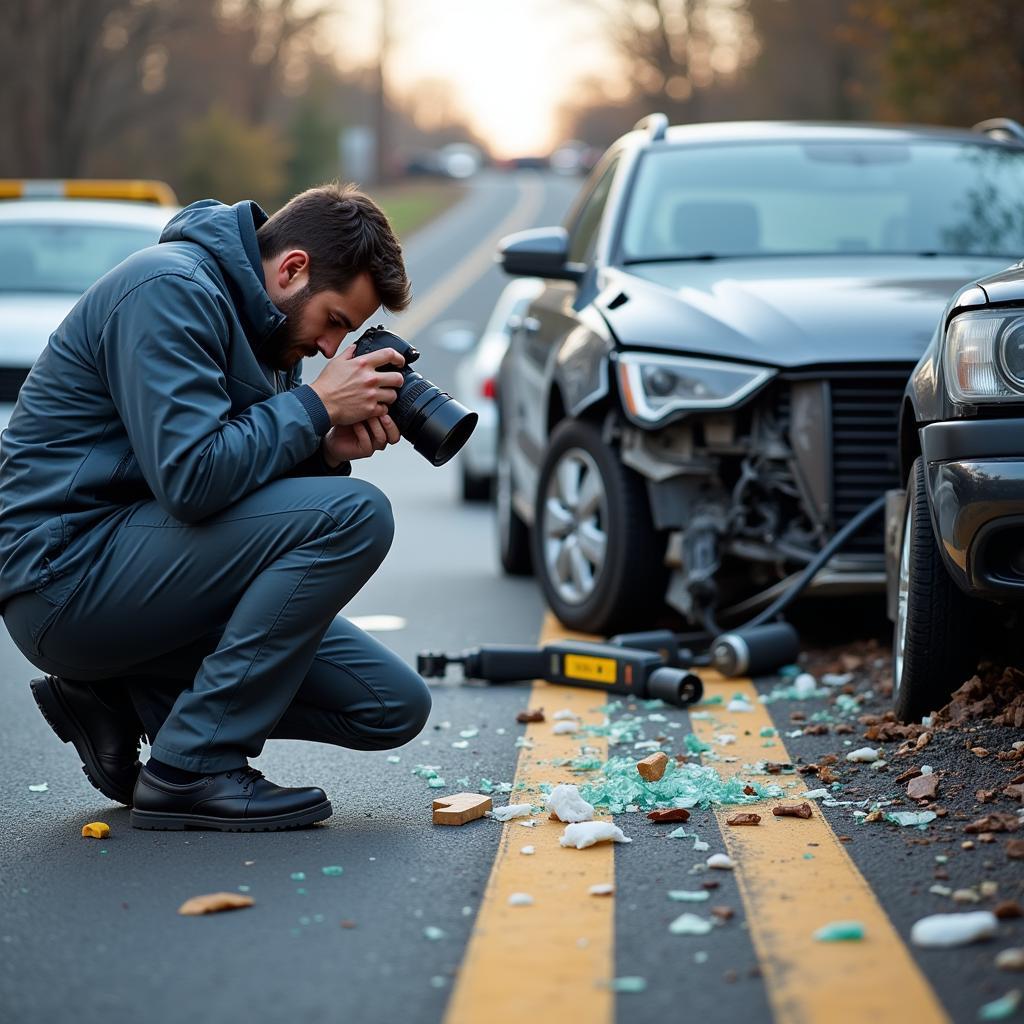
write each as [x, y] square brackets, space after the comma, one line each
[214, 901]
[96, 830]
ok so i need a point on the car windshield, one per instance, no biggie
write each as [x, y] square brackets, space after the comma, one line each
[779, 199]
[68, 257]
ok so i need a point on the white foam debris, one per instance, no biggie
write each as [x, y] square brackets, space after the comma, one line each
[520, 899]
[804, 685]
[529, 851]
[564, 714]
[568, 805]
[510, 811]
[720, 860]
[865, 754]
[739, 704]
[587, 833]
[944, 930]
[566, 727]
[602, 889]
[690, 924]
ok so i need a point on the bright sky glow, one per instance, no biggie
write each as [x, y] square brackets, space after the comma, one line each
[511, 62]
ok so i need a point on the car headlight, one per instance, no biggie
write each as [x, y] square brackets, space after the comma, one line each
[653, 386]
[984, 357]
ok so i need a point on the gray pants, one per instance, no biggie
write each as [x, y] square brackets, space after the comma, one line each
[225, 631]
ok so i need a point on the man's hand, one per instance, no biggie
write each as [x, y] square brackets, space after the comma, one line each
[352, 389]
[359, 440]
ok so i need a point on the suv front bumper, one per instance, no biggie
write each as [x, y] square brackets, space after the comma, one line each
[975, 483]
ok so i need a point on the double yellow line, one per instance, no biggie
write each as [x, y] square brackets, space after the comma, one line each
[553, 960]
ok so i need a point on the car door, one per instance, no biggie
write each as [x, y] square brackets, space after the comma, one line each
[548, 320]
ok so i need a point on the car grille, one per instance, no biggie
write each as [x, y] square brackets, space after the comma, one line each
[865, 427]
[11, 379]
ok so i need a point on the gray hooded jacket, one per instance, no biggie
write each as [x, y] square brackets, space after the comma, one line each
[152, 388]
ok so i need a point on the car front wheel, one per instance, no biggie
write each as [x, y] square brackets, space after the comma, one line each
[595, 550]
[935, 646]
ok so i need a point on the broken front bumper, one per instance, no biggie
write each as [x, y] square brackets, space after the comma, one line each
[975, 482]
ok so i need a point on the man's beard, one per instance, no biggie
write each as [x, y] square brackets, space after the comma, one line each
[278, 349]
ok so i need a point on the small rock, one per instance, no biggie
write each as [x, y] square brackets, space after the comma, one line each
[723, 913]
[1007, 910]
[537, 715]
[1015, 849]
[652, 768]
[965, 896]
[1011, 959]
[743, 818]
[997, 821]
[924, 787]
[979, 752]
[672, 814]
[801, 810]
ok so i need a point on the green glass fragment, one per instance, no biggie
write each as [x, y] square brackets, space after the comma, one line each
[840, 931]
[694, 745]
[766, 730]
[1002, 1008]
[432, 932]
[298, 876]
[332, 869]
[686, 896]
[436, 783]
[628, 983]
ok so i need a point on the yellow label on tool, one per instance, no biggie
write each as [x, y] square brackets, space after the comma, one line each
[594, 670]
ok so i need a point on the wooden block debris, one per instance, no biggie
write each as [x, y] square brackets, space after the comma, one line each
[460, 808]
[792, 810]
[214, 901]
[743, 818]
[652, 768]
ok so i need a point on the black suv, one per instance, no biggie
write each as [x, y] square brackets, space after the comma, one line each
[709, 384]
[955, 536]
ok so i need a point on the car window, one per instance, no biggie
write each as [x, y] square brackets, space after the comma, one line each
[584, 232]
[67, 258]
[827, 198]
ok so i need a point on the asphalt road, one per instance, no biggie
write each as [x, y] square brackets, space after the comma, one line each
[90, 931]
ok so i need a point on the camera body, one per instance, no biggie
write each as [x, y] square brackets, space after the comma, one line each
[436, 424]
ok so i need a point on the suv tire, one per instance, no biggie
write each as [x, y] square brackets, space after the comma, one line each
[935, 646]
[593, 512]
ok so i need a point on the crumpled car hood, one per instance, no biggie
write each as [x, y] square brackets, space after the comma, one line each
[788, 311]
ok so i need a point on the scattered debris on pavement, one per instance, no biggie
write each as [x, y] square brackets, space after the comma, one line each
[587, 833]
[214, 902]
[460, 808]
[96, 830]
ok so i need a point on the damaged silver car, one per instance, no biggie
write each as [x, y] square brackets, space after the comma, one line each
[708, 386]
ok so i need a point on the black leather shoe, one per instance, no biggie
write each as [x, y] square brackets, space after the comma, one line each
[104, 730]
[239, 800]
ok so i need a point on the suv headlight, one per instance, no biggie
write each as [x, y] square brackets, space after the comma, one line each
[984, 357]
[654, 386]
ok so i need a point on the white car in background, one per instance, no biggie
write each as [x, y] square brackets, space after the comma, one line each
[475, 386]
[52, 250]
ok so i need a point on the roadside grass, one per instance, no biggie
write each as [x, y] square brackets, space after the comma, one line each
[410, 205]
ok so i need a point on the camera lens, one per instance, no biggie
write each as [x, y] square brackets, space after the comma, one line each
[436, 424]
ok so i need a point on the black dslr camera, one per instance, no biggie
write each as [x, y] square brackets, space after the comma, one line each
[433, 421]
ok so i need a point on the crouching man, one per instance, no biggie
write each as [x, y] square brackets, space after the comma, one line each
[178, 524]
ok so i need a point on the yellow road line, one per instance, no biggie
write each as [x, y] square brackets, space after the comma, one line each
[551, 960]
[788, 897]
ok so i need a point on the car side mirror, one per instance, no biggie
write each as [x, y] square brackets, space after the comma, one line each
[539, 252]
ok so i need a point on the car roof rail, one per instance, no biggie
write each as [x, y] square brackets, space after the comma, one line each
[654, 124]
[1003, 128]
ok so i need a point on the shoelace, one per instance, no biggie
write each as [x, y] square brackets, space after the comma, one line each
[247, 775]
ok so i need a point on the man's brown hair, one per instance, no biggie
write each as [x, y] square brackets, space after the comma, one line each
[345, 233]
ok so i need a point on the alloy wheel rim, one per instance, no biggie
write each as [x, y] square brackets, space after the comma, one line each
[902, 597]
[574, 526]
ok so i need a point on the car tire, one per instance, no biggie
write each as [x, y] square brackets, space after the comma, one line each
[608, 531]
[934, 643]
[513, 534]
[475, 488]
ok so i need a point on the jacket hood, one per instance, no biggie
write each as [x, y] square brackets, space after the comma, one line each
[789, 312]
[228, 234]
